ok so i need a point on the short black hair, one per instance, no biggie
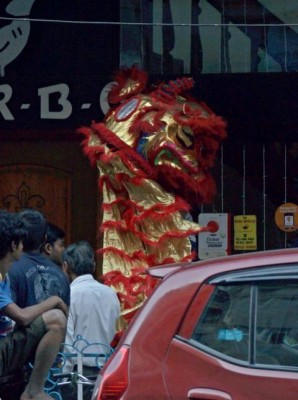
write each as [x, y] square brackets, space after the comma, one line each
[53, 233]
[79, 257]
[35, 224]
[11, 230]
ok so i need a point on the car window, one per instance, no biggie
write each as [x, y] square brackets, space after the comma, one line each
[256, 323]
[277, 323]
[224, 324]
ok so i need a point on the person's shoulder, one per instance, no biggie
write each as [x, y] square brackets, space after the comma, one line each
[87, 280]
[104, 291]
[46, 262]
[42, 259]
[49, 266]
[19, 266]
[107, 289]
[30, 258]
[55, 268]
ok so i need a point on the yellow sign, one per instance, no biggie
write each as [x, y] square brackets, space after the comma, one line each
[286, 217]
[245, 232]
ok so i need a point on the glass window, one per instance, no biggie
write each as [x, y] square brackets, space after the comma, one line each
[253, 322]
[277, 324]
[224, 325]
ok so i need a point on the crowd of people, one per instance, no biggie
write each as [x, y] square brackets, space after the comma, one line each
[48, 299]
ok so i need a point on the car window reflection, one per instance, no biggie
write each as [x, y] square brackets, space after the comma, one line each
[254, 322]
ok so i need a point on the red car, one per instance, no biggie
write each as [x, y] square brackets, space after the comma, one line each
[220, 329]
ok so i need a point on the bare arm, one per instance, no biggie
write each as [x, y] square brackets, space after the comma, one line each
[23, 316]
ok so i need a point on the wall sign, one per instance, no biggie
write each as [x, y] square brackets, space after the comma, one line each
[51, 77]
[286, 217]
[216, 242]
[245, 232]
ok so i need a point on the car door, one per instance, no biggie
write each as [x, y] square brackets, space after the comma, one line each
[239, 339]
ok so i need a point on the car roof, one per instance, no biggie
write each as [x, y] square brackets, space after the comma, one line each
[237, 261]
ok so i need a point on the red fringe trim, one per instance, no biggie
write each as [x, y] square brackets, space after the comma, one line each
[172, 179]
[138, 284]
[145, 238]
[122, 78]
[131, 259]
[178, 204]
[167, 92]
[135, 284]
[128, 154]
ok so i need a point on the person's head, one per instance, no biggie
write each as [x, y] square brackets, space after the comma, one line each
[54, 244]
[78, 259]
[12, 235]
[36, 226]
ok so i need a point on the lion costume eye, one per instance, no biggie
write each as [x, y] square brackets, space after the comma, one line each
[185, 136]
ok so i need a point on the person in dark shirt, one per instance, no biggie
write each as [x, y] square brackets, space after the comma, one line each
[33, 278]
[54, 244]
[38, 331]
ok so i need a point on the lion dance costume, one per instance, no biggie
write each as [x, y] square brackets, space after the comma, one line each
[153, 150]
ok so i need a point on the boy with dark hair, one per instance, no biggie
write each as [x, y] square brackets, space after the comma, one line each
[39, 329]
[54, 244]
[36, 226]
[33, 277]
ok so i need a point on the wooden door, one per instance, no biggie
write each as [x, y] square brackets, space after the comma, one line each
[43, 188]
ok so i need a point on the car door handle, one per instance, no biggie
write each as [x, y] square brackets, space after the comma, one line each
[207, 394]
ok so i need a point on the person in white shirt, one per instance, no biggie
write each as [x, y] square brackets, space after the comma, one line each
[93, 313]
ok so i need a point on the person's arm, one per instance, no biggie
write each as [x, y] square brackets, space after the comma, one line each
[23, 316]
[14, 284]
